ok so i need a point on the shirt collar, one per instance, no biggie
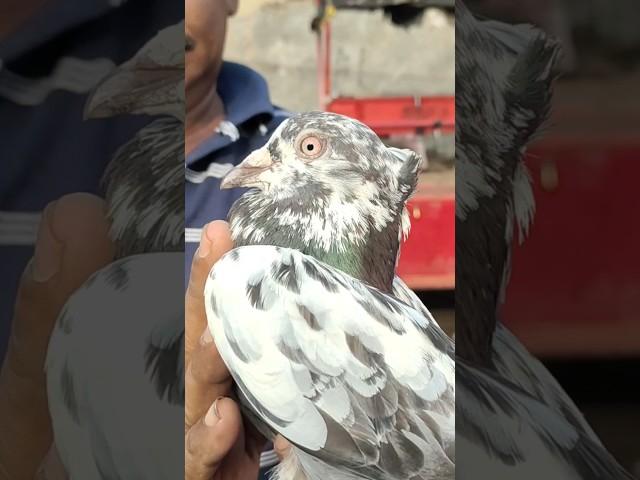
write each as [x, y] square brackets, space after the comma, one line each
[244, 93]
[245, 96]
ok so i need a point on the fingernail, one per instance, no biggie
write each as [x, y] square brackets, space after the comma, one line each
[213, 415]
[206, 337]
[205, 243]
[47, 258]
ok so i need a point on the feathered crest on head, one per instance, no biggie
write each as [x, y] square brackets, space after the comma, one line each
[144, 181]
[504, 77]
[406, 164]
[149, 83]
[510, 70]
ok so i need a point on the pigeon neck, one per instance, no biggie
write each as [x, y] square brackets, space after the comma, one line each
[484, 238]
[372, 262]
[362, 248]
[144, 191]
[482, 256]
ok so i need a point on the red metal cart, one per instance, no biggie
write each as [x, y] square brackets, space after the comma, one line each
[427, 261]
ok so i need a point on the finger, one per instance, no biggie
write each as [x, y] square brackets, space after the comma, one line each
[206, 364]
[210, 440]
[72, 243]
[215, 242]
[206, 379]
[52, 468]
[282, 447]
[254, 441]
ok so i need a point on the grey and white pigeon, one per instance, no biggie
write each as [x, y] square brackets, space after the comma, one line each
[503, 97]
[115, 363]
[312, 322]
[514, 419]
[144, 182]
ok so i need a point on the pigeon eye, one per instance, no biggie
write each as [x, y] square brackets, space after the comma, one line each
[312, 147]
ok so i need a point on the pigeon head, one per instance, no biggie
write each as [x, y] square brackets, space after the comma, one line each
[151, 83]
[323, 183]
[504, 75]
[329, 157]
[144, 181]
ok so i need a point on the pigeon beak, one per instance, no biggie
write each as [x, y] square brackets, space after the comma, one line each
[151, 83]
[248, 172]
[133, 88]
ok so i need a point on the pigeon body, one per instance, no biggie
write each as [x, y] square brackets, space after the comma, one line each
[494, 195]
[303, 311]
[513, 419]
[117, 404]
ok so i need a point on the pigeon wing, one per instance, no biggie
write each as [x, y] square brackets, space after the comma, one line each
[514, 362]
[525, 422]
[504, 432]
[115, 372]
[349, 375]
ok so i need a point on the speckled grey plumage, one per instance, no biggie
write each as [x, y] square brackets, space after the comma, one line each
[364, 245]
[144, 182]
[144, 190]
[503, 93]
[357, 380]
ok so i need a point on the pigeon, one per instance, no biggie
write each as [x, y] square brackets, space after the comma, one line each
[504, 77]
[144, 182]
[115, 362]
[494, 194]
[310, 319]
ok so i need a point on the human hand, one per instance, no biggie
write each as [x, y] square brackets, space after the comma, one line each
[217, 443]
[72, 244]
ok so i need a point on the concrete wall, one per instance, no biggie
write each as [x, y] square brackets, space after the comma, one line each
[371, 56]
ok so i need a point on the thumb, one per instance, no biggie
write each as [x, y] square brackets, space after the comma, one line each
[211, 439]
[72, 244]
[51, 468]
[282, 447]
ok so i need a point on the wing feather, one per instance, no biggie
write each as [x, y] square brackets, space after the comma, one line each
[514, 362]
[348, 374]
[119, 415]
[523, 425]
[504, 432]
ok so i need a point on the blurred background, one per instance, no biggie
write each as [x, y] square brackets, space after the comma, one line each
[574, 295]
[275, 38]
